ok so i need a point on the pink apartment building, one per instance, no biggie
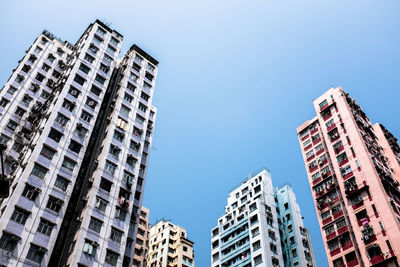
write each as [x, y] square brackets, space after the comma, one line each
[354, 172]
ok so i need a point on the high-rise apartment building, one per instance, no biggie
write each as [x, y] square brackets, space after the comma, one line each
[77, 122]
[142, 239]
[262, 226]
[169, 246]
[353, 170]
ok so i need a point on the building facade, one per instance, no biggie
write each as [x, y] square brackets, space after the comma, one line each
[142, 239]
[77, 121]
[169, 246]
[262, 226]
[353, 170]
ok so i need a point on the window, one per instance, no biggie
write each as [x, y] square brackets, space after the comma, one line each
[8, 241]
[30, 192]
[101, 204]
[26, 100]
[136, 67]
[294, 251]
[309, 154]
[111, 50]
[139, 119]
[95, 90]
[93, 48]
[12, 125]
[105, 185]
[45, 67]
[39, 171]
[59, 52]
[110, 167]
[146, 85]
[86, 116]
[137, 132]
[131, 161]
[45, 94]
[125, 111]
[120, 213]
[114, 151]
[131, 87]
[144, 96]
[68, 105]
[100, 79]
[138, 59]
[255, 232]
[118, 136]
[330, 123]
[89, 58]
[54, 204]
[79, 79]
[256, 245]
[114, 41]
[315, 176]
[26, 68]
[36, 253]
[134, 146]
[150, 67]
[107, 58]
[89, 247]
[142, 107]
[45, 227]
[74, 146]
[133, 77]
[319, 147]
[68, 164]
[55, 135]
[34, 87]
[116, 235]
[51, 58]
[111, 257]
[325, 215]
[104, 68]
[38, 49]
[128, 178]
[61, 183]
[47, 152]
[312, 164]
[97, 40]
[323, 103]
[84, 68]
[258, 260]
[95, 224]
[341, 157]
[20, 215]
[128, 97]
[80, 130]
[61, 119]
[4, 102]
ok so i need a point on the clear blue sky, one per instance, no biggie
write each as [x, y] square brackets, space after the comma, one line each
[235, 80]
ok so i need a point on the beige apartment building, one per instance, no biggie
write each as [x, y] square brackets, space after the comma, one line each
[142, 239]
[169, 246]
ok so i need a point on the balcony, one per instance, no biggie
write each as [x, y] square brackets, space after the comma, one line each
[377, 259]
[352, 263]
[334, 252]
[347, 246]
[327, 220]
[347, 175]
[343, 162]
[330, 128]
[342, 230]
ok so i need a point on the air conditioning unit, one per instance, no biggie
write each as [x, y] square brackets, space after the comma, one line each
[79, 219]
[91, 179]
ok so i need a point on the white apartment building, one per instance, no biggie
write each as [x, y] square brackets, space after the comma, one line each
[77, 122]
[252, 232]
